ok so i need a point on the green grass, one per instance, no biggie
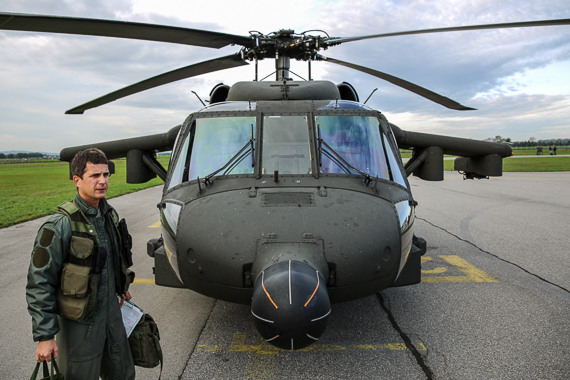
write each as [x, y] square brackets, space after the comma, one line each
[405, 153]
[531, 164]
[545, 152]
[29, 191]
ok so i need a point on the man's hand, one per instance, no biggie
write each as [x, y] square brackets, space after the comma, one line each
[126, 296]
[45, 350]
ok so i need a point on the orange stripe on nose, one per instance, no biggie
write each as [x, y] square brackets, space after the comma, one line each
[312, 295]
[266, 293]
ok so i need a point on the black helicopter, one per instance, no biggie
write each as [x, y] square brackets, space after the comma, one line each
[289, 195]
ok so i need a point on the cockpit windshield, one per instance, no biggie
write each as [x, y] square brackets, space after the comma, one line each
[217, 141]
[286, 145]
[289, 144]
[356, 139]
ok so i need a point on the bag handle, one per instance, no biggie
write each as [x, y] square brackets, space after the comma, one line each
[45, 370]
[54, 366]
[157, 343]
[55, 374]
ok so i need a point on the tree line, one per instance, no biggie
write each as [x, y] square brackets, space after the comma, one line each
[534, 142]
[21, 155]
[531, 142]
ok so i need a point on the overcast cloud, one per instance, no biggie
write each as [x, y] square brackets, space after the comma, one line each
[518, 79]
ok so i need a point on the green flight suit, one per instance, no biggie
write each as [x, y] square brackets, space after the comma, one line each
[97, 345]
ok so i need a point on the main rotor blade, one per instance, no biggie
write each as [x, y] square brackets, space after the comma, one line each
[434, 97]
[524, 24]
[205, 67]
[121, 29]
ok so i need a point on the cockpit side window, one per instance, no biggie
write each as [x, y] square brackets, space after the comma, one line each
[395, 168]
[178, 172]
[355, 140]
[222, 141]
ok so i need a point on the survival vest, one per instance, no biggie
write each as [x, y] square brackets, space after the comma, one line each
[77, 295]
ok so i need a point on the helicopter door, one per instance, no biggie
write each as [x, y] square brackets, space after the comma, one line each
[356, 139]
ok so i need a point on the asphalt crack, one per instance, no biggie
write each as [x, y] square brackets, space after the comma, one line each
[495, 256]
[407, 341]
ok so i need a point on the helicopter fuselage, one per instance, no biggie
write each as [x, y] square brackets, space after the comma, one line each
[254, 184]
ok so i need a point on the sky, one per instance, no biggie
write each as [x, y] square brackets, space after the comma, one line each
[517, 79]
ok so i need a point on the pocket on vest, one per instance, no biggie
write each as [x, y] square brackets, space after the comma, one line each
[81, 247]
[75, 298]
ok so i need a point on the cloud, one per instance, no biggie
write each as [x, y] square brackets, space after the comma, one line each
[509, 75]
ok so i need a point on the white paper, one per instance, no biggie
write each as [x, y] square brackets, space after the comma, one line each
[132, 314]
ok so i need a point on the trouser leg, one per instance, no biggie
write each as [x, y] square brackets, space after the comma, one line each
[80, 350]
[117, 360]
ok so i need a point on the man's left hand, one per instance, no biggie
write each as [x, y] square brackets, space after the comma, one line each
[125, 297]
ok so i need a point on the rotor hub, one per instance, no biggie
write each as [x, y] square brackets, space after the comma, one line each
[284, 43]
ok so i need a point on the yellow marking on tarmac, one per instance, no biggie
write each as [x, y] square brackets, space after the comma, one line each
[262, 361]
[438, 270]
[238, 340]
[258, 366]
[471, 272]
[209, 347]
[263, 348]
[155, 225]
[388, 346]
[147, 281]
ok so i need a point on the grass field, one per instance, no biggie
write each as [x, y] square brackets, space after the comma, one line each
[530, 164]
[545, 152]
[406, 153]
[31, 190]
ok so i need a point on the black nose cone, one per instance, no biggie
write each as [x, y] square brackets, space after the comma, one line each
[290, 305]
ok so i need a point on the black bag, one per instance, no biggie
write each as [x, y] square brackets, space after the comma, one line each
[145, 343]
[55, 374]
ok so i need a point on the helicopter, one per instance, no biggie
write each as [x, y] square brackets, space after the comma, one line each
[285, 195]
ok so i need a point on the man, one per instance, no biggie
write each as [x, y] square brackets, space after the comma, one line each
[77, 275]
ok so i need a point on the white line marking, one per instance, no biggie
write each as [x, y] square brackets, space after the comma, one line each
[270, 339]
[312, 337]
[263, 319]
[316, 319]
[290, 295]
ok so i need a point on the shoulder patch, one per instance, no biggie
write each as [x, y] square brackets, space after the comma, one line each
[40, 258]
[47, 237]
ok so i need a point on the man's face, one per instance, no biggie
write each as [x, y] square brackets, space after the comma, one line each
[94, 184]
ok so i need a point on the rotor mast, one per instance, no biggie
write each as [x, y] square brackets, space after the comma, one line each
[282, 66]
[284, 42]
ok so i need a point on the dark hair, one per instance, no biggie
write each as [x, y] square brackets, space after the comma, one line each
[79, 162]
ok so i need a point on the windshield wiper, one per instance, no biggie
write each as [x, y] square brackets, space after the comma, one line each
[335, 157]
[237, 159]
